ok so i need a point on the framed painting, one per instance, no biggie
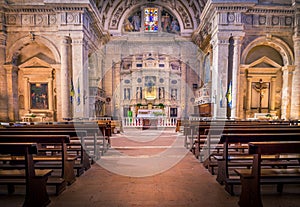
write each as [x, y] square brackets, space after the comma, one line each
[39, 96]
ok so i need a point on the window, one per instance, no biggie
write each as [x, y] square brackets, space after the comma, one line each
[151, 19]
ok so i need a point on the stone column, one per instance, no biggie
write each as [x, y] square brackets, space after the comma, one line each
[65, 78]
[220, 44]
[273, 91]
[12, 91]
[235, 75]
[80, 75]
[286, 91]
[116, 90]
[3, 83]
[183, 95]
[248, 108]
[295, 98]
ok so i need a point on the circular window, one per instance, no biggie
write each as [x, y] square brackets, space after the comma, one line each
[174, 81]
[161, 80]
[139, 80]
[127, 81]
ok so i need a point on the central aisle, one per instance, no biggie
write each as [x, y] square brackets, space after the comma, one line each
[183, 183]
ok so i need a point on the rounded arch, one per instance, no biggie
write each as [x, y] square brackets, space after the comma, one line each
[279, 45]
[20, 43]
[133, 8]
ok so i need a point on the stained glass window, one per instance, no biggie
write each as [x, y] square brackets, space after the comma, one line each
[151, 19]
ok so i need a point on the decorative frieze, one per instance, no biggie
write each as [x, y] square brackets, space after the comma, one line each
[71, 18]
[116, 16]
[186, 19]
[31, 19]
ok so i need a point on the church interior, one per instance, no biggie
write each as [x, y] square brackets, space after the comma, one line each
[109, 69]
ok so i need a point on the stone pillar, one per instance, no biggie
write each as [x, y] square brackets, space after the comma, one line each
[287, 76]
[248, 107]
[295, 98]
[80, 76]
[12, 91]
[117, 92]
[184, 86]
[65, 78]
[235, 77]
[220, 44]
[273, 91]
[3, 83]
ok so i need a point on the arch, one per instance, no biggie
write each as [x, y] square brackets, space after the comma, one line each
[279, 45]
[27, 40]
[129, 10]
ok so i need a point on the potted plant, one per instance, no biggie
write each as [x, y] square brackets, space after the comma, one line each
[161, 105]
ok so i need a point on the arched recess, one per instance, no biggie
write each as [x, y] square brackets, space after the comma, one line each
[35, 59]
[22, 42]
[265, 64]
[274, 42]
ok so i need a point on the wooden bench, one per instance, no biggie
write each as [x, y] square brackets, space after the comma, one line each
[218, 130]
[67, 162]
[200, 127]
[223, 176]
[215, 148]
[252, 179]
[95, 143]
[35, 180]
[75, 145]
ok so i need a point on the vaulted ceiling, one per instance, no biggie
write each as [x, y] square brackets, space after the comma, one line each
[114, 12]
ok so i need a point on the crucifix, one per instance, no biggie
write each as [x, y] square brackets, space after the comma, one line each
[260, 87]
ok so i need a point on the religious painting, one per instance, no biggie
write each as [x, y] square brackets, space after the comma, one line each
[133, 23]
[150, 89]
[39, 96]
[151, 19]
[169, 23]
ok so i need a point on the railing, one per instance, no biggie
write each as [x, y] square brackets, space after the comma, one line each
[138, 122]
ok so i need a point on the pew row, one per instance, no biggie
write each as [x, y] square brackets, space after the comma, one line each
[252, 179]
[224, 177]
[66, 161]
[35, 180]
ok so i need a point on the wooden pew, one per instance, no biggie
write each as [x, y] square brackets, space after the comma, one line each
[35, 180]
[76, 142]
[197, 128]
[95, 136]
[215, 131]
[212, 137]
[224, 177]
[252, 179]
[67, 162]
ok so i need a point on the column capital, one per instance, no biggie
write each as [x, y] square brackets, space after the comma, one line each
[289, 68]
[66, 40]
